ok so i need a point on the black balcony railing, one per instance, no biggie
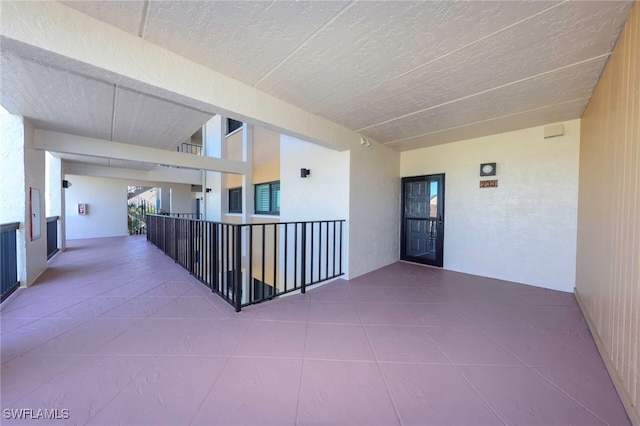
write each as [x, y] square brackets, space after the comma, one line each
[189, 148]
[52, 236]
[251, 263]
[195, 216]
[8, 259]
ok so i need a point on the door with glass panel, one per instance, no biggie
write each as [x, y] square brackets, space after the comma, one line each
[422, 237]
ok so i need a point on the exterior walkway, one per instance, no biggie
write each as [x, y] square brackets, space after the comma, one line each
[116, 333]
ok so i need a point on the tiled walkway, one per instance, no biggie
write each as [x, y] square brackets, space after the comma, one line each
[116, 333]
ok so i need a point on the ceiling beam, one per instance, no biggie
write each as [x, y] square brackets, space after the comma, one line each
[72, 144]
[55, 34]
[154, 177]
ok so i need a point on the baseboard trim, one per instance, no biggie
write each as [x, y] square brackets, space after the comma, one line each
[633, 414]
[6, 302]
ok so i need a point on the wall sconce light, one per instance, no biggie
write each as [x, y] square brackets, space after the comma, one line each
[304, 173]
[488, 169]
[66, 184]
[208, 190]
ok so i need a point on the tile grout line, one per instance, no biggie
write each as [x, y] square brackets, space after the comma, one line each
[379, 367]
[133, 325]
[228, 359]
[304, 357]
[143, 368]
[80, 324]
[493, 410]
[533, 368]
[567, 394]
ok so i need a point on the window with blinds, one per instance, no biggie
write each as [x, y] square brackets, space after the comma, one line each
[235, 200]
[267, 198]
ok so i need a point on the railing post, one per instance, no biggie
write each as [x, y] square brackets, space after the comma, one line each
[190, 246]
[177, 237]
[303, 255]
[237, 248]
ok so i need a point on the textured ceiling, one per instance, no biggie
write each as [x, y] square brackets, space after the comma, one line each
[408, 74]
[65, 101]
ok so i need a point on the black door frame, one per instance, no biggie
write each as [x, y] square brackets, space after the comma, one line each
[439, 261]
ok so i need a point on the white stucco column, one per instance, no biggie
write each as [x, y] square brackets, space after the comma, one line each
[247, 179]
[54, 194]
[214, 146]
[22, 169]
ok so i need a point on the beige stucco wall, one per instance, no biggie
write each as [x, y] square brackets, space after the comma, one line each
[525, 229]
[266, 156]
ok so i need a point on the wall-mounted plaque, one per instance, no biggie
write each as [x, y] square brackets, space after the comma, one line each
[489, 183]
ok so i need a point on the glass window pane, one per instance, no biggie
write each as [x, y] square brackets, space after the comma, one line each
[262, 198]
[433, 199]
[275, 197]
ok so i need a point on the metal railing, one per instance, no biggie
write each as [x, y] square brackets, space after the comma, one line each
[195, 216]
[189, 148]
[251, 263]
[8, 259]
[137, 214]
[52, 236]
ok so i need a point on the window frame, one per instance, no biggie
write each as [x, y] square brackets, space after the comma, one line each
[237, 128]
[271, 211]
[229, 206]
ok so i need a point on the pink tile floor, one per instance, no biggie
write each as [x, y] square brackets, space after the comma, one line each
[116, 333]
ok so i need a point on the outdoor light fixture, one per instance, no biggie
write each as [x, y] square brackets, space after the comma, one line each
[488, 169]
[66, 184]
[304, 173]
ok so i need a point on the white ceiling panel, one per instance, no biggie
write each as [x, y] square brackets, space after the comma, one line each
[55, 99]
[536, 46]
[562, 86]
[538, 117]
[149, 121]
[374, 42]
[126, 15]
[241, 39]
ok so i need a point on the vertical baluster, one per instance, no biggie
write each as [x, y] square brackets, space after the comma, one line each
[286, 255]
[250, 250]
[237, 288]
[215, 258]
[295, 255]
[326, 257]
[334, 248]
[275, 258]
[303, 255]
[311, 259]
[340, 258]
[263, 262]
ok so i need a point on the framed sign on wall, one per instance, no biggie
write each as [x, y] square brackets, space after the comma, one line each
[34, 213]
